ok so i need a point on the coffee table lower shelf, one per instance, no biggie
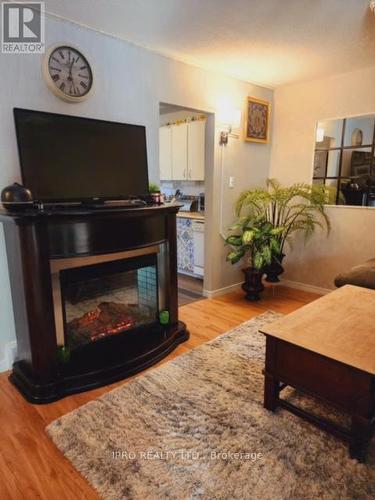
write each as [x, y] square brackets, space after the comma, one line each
[345, 387]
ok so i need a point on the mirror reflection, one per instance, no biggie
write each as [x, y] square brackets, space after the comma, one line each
[344, 159]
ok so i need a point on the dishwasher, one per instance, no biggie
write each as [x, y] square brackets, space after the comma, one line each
[198, 244]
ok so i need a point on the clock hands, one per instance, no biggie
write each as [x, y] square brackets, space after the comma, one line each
[71, 80]
[70, 77]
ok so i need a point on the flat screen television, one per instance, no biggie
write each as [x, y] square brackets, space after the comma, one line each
[69, 158]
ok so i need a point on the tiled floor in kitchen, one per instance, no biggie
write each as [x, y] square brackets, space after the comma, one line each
[190, 289]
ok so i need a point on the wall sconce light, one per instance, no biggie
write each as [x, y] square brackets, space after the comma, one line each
[224, 136]
[319, 134]
[230, 118]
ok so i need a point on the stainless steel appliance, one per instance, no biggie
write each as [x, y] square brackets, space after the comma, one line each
[190, 203]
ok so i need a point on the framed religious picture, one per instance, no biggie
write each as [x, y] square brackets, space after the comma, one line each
[258, 120]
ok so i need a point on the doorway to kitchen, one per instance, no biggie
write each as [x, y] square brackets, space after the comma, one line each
[185, 145]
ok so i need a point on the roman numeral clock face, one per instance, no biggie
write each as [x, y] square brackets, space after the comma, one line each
[68, 73]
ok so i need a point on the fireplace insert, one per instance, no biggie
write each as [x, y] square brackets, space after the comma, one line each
[108, 299]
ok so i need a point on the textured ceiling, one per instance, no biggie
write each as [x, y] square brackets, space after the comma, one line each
[271, 42]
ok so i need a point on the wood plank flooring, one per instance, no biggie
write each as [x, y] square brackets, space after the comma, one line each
[31, 467]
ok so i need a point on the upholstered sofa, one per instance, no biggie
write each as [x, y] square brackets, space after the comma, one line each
[362, 275]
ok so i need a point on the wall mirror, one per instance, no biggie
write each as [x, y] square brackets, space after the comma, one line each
[344, 159]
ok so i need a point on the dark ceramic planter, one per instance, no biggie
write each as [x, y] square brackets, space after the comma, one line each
[253, 283]
[274, 270]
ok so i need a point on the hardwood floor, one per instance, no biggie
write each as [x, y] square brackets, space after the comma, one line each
[31, 467]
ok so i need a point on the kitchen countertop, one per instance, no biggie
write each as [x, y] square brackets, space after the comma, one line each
[191, 215]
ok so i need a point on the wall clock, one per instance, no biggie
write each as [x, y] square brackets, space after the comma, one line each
[68, 73]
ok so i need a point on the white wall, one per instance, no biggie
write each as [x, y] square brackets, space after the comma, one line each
[298, 108]
[130, 83]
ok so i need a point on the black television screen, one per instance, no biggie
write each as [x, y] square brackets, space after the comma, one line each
[69, 158]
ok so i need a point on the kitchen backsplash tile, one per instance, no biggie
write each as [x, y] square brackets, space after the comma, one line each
[193, 188]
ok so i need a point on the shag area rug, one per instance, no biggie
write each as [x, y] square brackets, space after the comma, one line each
[195, 428]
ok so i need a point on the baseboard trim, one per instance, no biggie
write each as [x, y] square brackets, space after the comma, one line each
[10, 350]
[210, 294]
[305, 287]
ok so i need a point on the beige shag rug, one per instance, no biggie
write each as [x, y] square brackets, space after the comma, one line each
[196, 428]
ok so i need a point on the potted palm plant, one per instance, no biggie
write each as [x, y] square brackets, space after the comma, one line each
[257, 241]
[295, 208]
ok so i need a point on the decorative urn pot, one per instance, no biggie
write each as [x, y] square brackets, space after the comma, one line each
[274, 269]
[253, 285]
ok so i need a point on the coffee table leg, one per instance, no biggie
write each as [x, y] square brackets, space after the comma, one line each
[360, 436]
[271, 392]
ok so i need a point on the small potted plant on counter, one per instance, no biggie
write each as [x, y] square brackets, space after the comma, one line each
[256, 241]
[296, 208]
[155, 194]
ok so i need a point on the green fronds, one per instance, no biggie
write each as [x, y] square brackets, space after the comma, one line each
[300, 207]
[253, 201]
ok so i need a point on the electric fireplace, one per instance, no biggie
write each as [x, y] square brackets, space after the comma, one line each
[88, 287]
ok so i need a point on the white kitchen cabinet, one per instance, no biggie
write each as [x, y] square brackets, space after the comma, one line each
[179, 151]
[165, 153]
[182, 151]
[196, 150]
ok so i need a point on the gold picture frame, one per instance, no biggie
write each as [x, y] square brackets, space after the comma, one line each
[257, 120]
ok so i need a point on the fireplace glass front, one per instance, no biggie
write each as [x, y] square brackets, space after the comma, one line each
[108, 299]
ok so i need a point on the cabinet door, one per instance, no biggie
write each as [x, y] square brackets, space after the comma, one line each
[196, 150]
[179, 151]
[165, 153]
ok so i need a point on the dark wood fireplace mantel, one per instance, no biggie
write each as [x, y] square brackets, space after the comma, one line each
[34, 239]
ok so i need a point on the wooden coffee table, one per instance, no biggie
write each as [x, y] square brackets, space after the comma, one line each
[327, 350]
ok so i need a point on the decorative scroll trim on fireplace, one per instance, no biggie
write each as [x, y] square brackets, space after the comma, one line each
[57, 265]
